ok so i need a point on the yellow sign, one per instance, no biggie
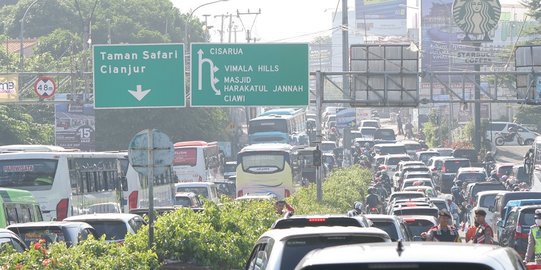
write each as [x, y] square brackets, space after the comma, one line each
[9, 85]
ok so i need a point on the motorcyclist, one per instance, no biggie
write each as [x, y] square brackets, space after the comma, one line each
[357, 209]
[528, 161]
[372, 200]
[493, 176]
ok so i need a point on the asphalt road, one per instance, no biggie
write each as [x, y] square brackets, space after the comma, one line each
[511, 153]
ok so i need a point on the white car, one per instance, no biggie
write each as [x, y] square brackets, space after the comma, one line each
[113, 226]
[485, 199]
[283, 248]
[412, 255]
[370, 123]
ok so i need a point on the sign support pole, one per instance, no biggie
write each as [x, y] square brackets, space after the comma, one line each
[319, 98]
[477, 108]
[150, 150]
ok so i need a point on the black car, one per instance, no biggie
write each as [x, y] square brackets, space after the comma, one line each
[470, 154]
[385, 134]
[448, 172]
[517, 227]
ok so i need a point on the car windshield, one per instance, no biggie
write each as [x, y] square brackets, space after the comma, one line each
[230, 167]
[370, 124]
[388, 227]
[418, 226]
[507, 170]
[112, 229]
[487, 201]
[527, 218]
[327, 147]
[296, 248]
[183, 201]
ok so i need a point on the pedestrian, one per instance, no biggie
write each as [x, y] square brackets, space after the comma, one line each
[409, 130]
[453, 207]
[528, 162]
[444, 231]
[280, 205]
[533, 251]
[399, 124]
[483, 233]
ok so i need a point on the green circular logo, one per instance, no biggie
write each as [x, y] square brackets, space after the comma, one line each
[476, 17]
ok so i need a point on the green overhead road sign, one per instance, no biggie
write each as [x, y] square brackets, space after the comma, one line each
[138, 76]
[249, 74]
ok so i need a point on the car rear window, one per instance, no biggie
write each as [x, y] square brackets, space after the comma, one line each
[478, 188]
[472, 176]
[316, 222]
[426, 183]
[507, 170]
[34, 234]
[417, 175]
[296, 248]
[398, 266]
[527, 218]
[183, 201]
[388, 227]
[407, 196]
[113, 230]
[390, 150]
[416, 212]
[487, 201]
[452, 166]
[440, 204]
[418, 226]
[395, 161]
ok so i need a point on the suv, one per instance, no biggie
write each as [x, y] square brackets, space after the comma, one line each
[113, 226]
[284, 248]
[385, 134]
[429, 255]
[393, 225]
[517, 227]
[53, 231]
[419, 224]
[448, 171]
[471, 175]
[470, 154]
[424, 156]
[187, 199]
[321, 220]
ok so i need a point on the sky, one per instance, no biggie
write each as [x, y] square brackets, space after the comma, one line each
[278, 21]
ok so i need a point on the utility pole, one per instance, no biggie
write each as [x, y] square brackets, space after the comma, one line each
[222, 16]
[248, 31]
[345, 49]
[229, 27]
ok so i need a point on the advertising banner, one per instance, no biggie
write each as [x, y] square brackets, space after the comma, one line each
[382, 17]
[75, 123]
[9, 87]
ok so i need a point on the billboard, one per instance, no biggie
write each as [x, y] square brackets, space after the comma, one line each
[382, 17]
[9, 86]
[75, 123]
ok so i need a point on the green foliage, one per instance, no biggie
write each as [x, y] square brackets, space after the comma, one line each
[59, 43]
[17, 126]
[435, 130]
[89, 254]
[219, 237]
[340, 190]
[529, 115]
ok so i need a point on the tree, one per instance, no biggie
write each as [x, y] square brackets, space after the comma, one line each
[17, 126]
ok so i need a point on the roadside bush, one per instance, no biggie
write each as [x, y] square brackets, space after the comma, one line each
[340, 190]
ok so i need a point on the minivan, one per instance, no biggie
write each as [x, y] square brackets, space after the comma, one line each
[503, 197]
[18, 206]
[502, 127]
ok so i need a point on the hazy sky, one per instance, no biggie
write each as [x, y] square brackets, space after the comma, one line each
[279, 21]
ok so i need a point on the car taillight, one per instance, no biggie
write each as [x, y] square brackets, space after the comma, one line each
[409, 220]
[62, 209]
[240, 193]
[519, 234]
[132, 199]
[287, 193]
[317, 219]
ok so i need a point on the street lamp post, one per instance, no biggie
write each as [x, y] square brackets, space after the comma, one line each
[190, 16]
[21, 48]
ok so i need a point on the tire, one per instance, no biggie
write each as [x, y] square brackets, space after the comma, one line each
[499, 141]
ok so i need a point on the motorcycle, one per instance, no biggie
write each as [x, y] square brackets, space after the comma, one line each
[502, 138]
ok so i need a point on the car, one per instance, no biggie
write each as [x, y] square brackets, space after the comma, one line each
[368, 132]
[503, 169]
[385, 134]
[393, 225]
[519, 173]
[444, 152]
[284, 248]
[208, 190]
[415, 182]
[413, 175]
[389, 149]
[484, 200]
[410, 170]
[187, 199]
[230, 169]
[409, 163]
[468, 153]
[493, 128]
[448, 172]
[431, 210]
[441, 204]
[8, 237]
[405, 195]
[390, 163]
[436, 163]
[226, 188]
[474, 188]
[412, 147]
[424, 156]
[53, 231]
[369, 123]
[510, 205]
[517, 228]
[115, 227]
[429, 255]
[419, 224]
[329, 161]
[471, 175]
[428, 191]
[321, 220]
[327, 146]
[500, 202]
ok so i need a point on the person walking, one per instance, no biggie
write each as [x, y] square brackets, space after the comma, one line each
[399, 124]
[444, 231]
[409, 130]
[533, 250]
[483, 233]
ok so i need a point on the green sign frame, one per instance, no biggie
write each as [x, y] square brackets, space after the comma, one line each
[139, 76]
[236, 75]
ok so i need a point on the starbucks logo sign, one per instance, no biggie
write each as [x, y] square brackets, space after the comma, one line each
[476, 17]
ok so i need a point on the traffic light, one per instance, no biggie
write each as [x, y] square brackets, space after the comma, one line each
[317, 157]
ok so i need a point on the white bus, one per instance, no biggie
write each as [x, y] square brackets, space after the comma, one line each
[264, 169]
[73, 183]
[197, 161]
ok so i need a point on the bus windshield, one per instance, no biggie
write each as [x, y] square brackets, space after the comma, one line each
[267, 125]
[185, 156]
[263, 162]
[28, 174]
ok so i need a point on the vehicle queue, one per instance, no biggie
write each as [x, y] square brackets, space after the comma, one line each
[417, 194]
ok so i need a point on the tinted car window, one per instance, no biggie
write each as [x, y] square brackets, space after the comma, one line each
[507, 170]
[113, 230]
[497, 126]
[426, 156]
[395, 161]
[480, 187]
[316, 222]
[487, 201]
[388, 227]
[183, 201]
[399, 266]
[418, 226]
[296, 248]
[416, 212]
[527, 218]
[384, 134]
[34, 234]
[472, 177]
[13, 243]
[452, 166]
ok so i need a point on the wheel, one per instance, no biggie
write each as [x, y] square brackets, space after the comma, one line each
[528, 142]
[499, 141]
[520, 141]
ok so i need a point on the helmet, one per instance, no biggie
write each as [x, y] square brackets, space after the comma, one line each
[504, 178]
[371, 190]
[358, 206]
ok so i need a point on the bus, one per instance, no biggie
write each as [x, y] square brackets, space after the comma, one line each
[197, 161]
[283, 126]
[71, 183]
[18, 206]
[264, 169]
